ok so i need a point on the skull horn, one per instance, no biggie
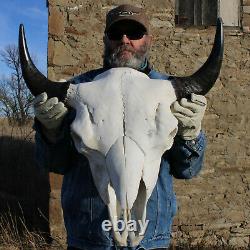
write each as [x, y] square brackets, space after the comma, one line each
[204, 79]
[35, 80]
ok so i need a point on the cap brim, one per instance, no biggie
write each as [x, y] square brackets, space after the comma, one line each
[125, 19]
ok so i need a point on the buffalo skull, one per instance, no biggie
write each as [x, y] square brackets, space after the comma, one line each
[123, 125]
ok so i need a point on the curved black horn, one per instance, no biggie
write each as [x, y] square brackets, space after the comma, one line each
[204, 79]
[35, 80]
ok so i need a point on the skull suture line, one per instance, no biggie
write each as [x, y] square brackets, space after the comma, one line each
[123, 125]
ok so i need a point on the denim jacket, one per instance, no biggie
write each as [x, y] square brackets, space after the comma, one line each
[84, 210]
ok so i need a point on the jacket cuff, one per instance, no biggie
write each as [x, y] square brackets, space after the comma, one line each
[196, 145]
[51, 137]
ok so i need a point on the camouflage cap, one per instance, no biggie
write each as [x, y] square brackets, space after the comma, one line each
[127, 12]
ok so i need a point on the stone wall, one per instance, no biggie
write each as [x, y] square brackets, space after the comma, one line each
[214, 208]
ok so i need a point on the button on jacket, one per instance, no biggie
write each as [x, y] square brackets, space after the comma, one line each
[84, 210]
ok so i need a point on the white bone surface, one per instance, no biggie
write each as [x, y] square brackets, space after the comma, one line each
[123, 125]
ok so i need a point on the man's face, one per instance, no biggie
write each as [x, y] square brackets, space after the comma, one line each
[126, 45]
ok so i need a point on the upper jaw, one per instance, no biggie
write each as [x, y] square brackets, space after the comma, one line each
[128, 225]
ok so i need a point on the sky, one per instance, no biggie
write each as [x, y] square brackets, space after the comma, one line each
[34, 15]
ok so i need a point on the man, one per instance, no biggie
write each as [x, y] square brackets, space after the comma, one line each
[127, 43]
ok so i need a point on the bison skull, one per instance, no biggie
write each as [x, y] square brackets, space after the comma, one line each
[123, 125]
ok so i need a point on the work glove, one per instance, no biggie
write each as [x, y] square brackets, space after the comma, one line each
[189, 114]
[50, 113]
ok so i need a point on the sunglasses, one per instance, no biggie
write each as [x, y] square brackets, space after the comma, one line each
[131, 34]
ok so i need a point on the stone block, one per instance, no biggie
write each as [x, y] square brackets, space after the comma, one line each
[188, 228]
[246, 20]
[74, 31]
[240, 231]
[56, 215]
[55, 181]
[239, 242]
[246, 29]
[246, 9]
[157, 23]
[246, 2]
[235, 215]
[62, 55]
[56, 22]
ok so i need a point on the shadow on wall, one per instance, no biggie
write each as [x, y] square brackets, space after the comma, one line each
[24, 189]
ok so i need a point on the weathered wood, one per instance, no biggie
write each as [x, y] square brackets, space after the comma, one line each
[196, 12]
[186, 12]
[209, 12]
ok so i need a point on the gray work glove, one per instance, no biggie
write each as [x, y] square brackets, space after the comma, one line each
[50, 113]
[189, 114]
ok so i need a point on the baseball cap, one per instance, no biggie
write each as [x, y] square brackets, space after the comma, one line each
[127, 12]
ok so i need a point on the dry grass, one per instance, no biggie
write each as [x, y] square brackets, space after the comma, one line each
[22, 132]
[24, 192]
[14, 235]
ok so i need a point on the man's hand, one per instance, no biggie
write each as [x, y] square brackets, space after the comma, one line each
[189, 114]
[49, 112]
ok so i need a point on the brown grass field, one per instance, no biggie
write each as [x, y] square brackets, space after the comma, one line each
[24, 191]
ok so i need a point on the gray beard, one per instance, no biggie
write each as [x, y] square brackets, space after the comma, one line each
[114, 59]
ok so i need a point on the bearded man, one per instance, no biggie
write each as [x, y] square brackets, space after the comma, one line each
[127, 43]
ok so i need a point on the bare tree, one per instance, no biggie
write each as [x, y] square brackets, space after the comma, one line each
[15, 98]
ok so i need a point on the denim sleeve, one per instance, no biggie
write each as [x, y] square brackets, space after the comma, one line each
[186, 157]
[54, 157]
